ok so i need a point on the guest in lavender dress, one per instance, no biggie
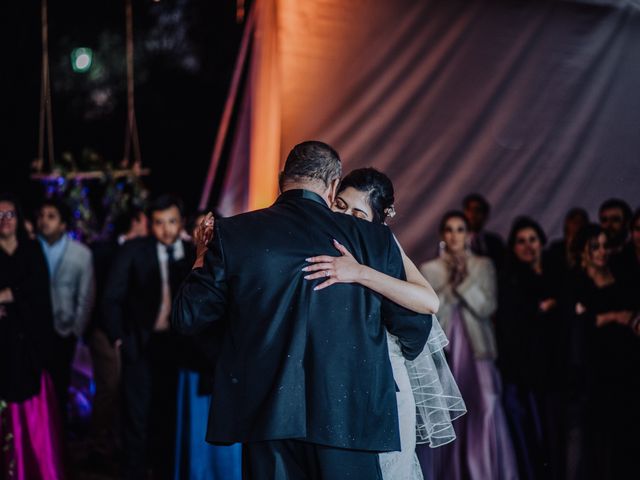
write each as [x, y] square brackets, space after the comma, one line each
[29, 424]
[466, 286]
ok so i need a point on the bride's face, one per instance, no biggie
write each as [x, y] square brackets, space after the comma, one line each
[353, 202]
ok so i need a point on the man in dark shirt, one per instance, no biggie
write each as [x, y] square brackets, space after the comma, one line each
[476, 209]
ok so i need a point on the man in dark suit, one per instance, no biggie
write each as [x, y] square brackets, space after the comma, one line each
[303, 378]
[130, 224]
[136, 309]
[476, 210]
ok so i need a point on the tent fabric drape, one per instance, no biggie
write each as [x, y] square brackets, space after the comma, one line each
[533, 104]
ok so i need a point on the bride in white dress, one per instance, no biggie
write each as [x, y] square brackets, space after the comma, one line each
[428, 397]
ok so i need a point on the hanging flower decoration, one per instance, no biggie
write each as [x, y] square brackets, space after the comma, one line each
[95, 192]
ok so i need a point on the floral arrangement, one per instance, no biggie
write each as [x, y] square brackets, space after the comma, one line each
[95, 192]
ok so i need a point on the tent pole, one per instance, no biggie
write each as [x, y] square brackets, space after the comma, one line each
[228, 109]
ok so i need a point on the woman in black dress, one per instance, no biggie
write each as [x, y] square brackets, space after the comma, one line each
[29, 428]
[531, 356]
[605, 303]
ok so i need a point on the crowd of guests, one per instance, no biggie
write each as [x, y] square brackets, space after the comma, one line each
[562, 324]
[544, 345]
[115, 295]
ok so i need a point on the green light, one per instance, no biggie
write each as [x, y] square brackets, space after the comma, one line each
[81, 59]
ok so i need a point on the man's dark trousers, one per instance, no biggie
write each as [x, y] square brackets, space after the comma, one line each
[298, 460]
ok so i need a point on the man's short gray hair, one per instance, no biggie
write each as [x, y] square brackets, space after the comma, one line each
[312, 160]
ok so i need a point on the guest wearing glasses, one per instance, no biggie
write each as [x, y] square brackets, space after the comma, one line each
[29, 424]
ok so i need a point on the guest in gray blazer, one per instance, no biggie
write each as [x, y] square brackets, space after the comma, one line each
[466, 286]
[72, 290]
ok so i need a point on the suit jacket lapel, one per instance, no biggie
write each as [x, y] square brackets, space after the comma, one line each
[60, 267]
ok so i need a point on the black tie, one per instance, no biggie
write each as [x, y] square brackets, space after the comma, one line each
[170, 258]
[171, 269]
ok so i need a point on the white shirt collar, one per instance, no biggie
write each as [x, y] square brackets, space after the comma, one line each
[178, 250]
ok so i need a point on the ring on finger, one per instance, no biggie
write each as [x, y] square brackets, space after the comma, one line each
[327, 273]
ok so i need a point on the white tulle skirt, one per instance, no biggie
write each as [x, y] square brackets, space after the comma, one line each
[428, 401]
[436, 394]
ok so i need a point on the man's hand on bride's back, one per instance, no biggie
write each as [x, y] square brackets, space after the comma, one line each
[202, 236]
[342, 269]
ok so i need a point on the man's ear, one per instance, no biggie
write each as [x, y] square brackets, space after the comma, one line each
[333, 190]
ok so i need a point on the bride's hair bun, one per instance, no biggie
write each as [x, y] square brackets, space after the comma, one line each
[379, 189]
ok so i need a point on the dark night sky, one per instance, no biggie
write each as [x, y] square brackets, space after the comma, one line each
[184, 56]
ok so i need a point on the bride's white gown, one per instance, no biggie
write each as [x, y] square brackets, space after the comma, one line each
[402, 465]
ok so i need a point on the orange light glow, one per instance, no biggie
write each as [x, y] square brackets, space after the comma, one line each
[266, 121]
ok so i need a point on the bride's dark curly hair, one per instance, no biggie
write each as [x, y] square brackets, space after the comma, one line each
[378, 187]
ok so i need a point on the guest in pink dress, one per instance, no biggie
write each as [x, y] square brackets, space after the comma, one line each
[29, 425]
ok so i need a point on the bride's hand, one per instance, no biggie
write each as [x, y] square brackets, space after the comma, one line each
[202, 236]
[343, 269]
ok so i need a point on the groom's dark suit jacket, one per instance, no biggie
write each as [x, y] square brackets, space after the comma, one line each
[297, 363]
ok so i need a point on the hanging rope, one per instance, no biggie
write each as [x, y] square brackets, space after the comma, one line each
[131, 131]
[45, 97]
[240, 9]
